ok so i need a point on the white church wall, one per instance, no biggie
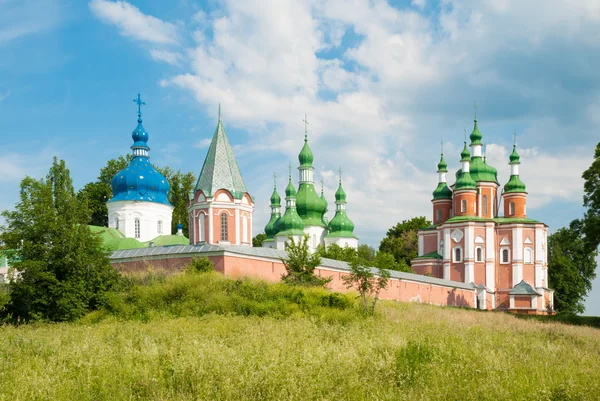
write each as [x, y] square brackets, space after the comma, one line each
[122, 215]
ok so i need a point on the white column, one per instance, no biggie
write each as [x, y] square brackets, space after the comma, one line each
[421, 245]
[446, 271]
[251, 236]
[469, 272]
[539, 254]
[237, 226]
[538, 275]
[469, 241]
[517, 244]
[447, 248]
[202, 233]
[210, 225]
[512, 302]
[517, 273]
[479, 205]
[490, 240]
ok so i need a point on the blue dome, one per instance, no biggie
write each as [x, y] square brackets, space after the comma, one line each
[140, 181]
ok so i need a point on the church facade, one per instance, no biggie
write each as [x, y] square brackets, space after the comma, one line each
[220, 208]
[473, 240]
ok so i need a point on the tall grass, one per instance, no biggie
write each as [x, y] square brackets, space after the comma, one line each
[254, 341]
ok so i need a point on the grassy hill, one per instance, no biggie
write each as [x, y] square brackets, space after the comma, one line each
[207, 337]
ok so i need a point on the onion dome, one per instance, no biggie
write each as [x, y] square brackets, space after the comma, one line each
[465, 154]
[475, 136]
[270, 229]
[309, 205]
[514, 184]
[140, 181]
[514, 156]
[442, 191]
[290, 223]
[324, 217]
[442, 165]
[481, 171]
[306, 156]
[341, 225]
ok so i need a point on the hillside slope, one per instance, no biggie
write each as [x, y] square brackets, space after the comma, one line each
[304, 347]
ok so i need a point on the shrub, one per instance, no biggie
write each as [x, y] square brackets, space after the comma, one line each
[300, 265]
[200, 265]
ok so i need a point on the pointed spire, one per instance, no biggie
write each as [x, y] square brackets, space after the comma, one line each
[442, 165]
[514, 184]
[220, 169]
[306, 156]
[275, 180]
[475, 109]
[484, 154]
[305, 127]
[465, 154]
[139, 134]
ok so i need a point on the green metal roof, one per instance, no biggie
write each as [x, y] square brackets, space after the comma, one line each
[309, 205]
[465, 181]
[465, 155]
[340, 194]
[475, 135]
[442, 191]
[220, 169]
[306, 156]
[167, 240]
[430, 255]
[523, 289]
[481, 171]
[442, 165]
[515, 185]
[275, 199]
[514, 156]
[270, 230]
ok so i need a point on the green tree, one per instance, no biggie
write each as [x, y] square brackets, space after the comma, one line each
[366, 282]
[200, 265]
[63, 270]
[181, 186]
[336, 252]
[402, 240]
[258, 240]
[591, 200]
[300, 264]
[366, 252]
[571, 268]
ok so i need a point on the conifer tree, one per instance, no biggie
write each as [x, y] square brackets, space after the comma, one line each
[63, 270]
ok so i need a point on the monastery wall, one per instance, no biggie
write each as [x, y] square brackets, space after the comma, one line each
[236, 266]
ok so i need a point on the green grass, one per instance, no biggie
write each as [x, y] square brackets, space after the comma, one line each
[205, 337]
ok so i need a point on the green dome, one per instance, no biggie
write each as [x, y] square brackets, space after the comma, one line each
[290, 191]
[324, 216]
[514, 185]
[465, 155]
[514, 156]
[475, 135]
[310, 206]
[442, 165]
[341, 226]
[290, 223]
[442, 192]
[340, 194]
[465, 181]
[270, 228]
[306, 156]
[481, 171]
[275, 199]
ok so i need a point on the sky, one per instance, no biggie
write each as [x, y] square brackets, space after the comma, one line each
[383, 83]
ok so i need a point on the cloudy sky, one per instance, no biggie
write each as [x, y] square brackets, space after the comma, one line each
[383, 83]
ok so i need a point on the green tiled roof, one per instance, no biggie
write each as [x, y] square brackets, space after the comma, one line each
[442, 191]
[114, 240]
[510, 220]
[220, 169]
[431, 227]
[167, 240]
[430, 255]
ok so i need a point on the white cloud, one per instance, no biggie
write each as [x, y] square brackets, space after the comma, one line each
[203, 143]
[168, 57]
[4, 95]
[378, 105]
[133, 23]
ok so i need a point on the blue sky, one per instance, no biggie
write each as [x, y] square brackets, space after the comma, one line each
[382, 82]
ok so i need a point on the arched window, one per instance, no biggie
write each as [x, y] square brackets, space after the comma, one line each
[458, 254]
[505, 255]
[438, 215]
[479, 254]
[201, 224]
[137, 228]
[528, 255]
[485, 205]
[463, 205]
[159, 227]
[511, 208]
[224, 236]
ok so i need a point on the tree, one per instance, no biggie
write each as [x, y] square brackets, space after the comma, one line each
[181, 185]
[258, 240]
[402, 240]
[300, 264]
[336, 252]
[63, 270]
[591, 200]
[571, 267]
[367, 283]
[366, 252]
